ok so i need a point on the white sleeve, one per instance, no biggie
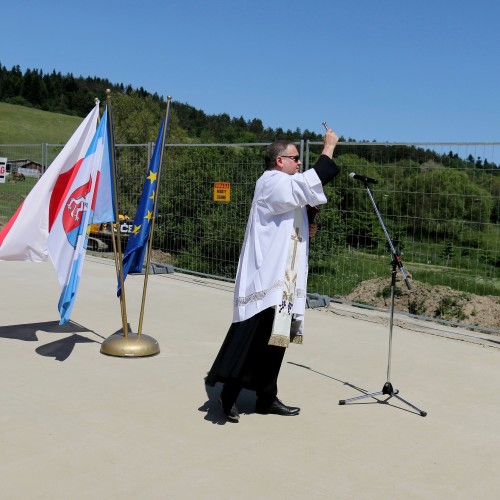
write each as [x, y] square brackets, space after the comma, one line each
[282, 192]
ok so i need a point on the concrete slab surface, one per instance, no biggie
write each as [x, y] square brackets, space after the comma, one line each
[77, 424]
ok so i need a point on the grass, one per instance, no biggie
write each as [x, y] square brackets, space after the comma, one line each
[11, 196]
[22, 125]
[340, 275]
[345, 270]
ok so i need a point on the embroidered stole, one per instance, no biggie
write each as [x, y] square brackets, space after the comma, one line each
[280, 334]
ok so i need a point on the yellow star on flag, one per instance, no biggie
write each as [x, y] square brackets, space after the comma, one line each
[151, 176]
[149, 215]
[136, 229]
[152, 197]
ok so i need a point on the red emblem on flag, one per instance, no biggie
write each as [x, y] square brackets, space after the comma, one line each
[74, 212]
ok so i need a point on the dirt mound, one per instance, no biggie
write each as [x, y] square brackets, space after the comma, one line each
[432, 301]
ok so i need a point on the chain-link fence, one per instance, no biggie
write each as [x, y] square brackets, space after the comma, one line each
[440, 204]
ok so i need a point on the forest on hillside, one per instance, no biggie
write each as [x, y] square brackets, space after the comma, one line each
[71, 95]
[138, 112]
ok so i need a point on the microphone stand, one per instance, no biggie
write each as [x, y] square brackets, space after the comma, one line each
[396, 263]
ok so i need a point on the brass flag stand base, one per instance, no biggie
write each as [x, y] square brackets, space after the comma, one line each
[131, 346]
[125, 343]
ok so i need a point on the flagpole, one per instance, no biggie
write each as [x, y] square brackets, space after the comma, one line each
[112, 152]
[117, 245]
[113, 171]
[155, 204]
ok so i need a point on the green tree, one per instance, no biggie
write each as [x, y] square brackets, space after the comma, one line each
[439, 200]
[359, 221]
[10, 83]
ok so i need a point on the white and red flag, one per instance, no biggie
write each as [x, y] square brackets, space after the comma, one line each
[65, 207]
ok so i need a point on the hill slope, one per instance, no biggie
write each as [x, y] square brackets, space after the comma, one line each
[23, 125]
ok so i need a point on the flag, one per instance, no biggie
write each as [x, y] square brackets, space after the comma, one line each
[88, 198]
[137, 243]
[26, 234]
[104, 206]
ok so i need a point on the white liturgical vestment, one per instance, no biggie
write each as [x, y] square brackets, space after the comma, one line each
[270, 236]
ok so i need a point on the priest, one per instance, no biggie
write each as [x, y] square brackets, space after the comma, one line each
[270, 289]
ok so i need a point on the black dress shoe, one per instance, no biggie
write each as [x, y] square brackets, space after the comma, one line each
[278, 408]
[231, 413]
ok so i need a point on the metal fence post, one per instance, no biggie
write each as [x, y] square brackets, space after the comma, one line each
[308, 145]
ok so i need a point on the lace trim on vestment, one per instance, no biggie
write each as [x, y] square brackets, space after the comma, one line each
[261, 294]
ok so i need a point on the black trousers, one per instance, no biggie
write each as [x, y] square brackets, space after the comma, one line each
[245, 360]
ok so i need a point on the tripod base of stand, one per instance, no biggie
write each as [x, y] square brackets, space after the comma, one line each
[387, 390]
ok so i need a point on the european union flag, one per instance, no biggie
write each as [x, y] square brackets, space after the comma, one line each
[137, 243]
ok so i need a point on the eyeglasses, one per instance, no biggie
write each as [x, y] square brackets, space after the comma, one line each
[295, 158]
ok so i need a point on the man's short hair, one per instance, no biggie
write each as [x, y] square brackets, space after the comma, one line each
[274, 150]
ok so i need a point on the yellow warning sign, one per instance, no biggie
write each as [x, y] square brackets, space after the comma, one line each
[222, 191]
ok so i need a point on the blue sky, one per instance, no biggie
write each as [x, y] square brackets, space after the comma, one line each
[387, 70]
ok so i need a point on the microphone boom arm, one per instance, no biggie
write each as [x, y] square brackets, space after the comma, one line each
[395, 254]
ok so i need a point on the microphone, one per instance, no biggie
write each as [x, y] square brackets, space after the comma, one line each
[366, 180]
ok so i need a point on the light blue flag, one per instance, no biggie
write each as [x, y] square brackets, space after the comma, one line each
[91, 193]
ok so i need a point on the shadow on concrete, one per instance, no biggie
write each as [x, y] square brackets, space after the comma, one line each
[214, 414]
[359, 389]
[27, 331]
[60, 349]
